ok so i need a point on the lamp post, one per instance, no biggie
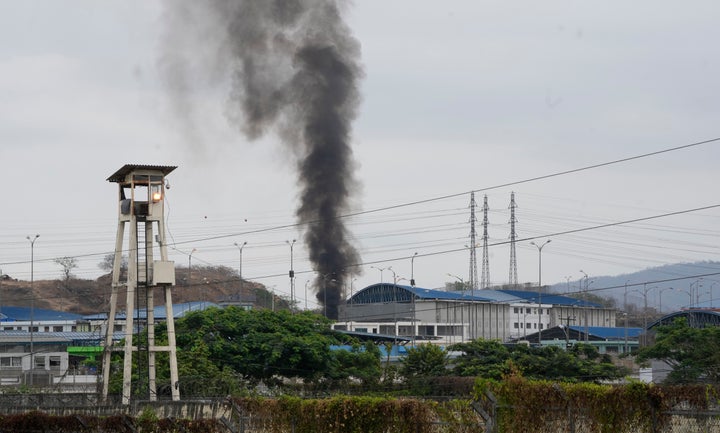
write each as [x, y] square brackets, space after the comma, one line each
[32, 304]
[190, 265]
[306, 297]
[660, 297]
[412, 269]
[381, 272]
[412, 283]
[587, 330]
[462, 307]
[645, 306]
[325, 281]
[625, 309]
[686, 292]
[292, 275]
[240, 249]
[540, 248]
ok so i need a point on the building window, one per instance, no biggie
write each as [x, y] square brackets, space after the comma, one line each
[528, 325]
[54, 362]
[39, 362]
[516, 325]
[527, 310]
[57, 329]
[515, 310]
[10, 362]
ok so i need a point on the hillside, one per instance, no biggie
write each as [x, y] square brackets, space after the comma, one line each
[669, 285]
[212, 284]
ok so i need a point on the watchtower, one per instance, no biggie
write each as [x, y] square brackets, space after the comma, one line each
[141, 207]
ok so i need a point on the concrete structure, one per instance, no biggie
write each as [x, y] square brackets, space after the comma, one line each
[447, 317]
[141, 207]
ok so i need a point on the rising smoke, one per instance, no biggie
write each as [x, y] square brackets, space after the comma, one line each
[294, 69]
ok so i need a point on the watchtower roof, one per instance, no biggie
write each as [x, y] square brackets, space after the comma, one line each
[126, 169]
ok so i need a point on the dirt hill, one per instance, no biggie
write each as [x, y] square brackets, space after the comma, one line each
[212, 284]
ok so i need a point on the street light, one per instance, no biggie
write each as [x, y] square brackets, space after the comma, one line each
[644, 292]
[540, 248]
[462, 306]
[306, 296]
[688, 293]
[240, 248]
[325, 289]
[587, 330]
[291, 274]
[190, 265]
[660, 297]
[381, 272]
[412, 269]
[32, 304]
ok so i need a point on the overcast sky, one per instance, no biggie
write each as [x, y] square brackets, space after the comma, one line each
[457, 96]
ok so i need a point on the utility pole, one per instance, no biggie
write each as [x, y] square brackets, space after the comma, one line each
[291, 274]
[513, 279]
[539, 248]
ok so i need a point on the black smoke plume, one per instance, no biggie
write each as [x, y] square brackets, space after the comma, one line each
[295, 69]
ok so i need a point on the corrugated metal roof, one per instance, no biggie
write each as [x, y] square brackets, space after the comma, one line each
[430, 294]
[608, 333]
[548, 298]
[119, 175]
[179, 310]
[11, 314]
[54, 337]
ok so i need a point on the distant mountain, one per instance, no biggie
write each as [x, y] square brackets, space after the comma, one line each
[676, 286]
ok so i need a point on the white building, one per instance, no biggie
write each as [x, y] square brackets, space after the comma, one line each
[448, 316]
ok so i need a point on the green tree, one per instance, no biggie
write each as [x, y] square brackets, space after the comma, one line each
[425, 360]
[482, 358]
[492, 360]
[259, 344]
[361, 362]
[693, 353]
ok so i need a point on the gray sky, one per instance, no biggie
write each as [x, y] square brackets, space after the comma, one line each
[457, 96]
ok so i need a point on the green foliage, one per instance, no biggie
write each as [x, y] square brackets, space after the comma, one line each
[425, 360]
[359, 415]
[551, 407]
[421, 363]
[493, 360]
[362, 362]
[258, 344]
[694, 353]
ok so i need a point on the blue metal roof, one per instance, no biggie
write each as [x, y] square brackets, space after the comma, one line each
[696, 318]
[25, 314]
[554, 299]
[607, 333]
[388, 292]
[179, 310]
[74, 338]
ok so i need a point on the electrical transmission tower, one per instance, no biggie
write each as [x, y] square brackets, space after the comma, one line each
[513, 236]
[473, 283]
[485, 274]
